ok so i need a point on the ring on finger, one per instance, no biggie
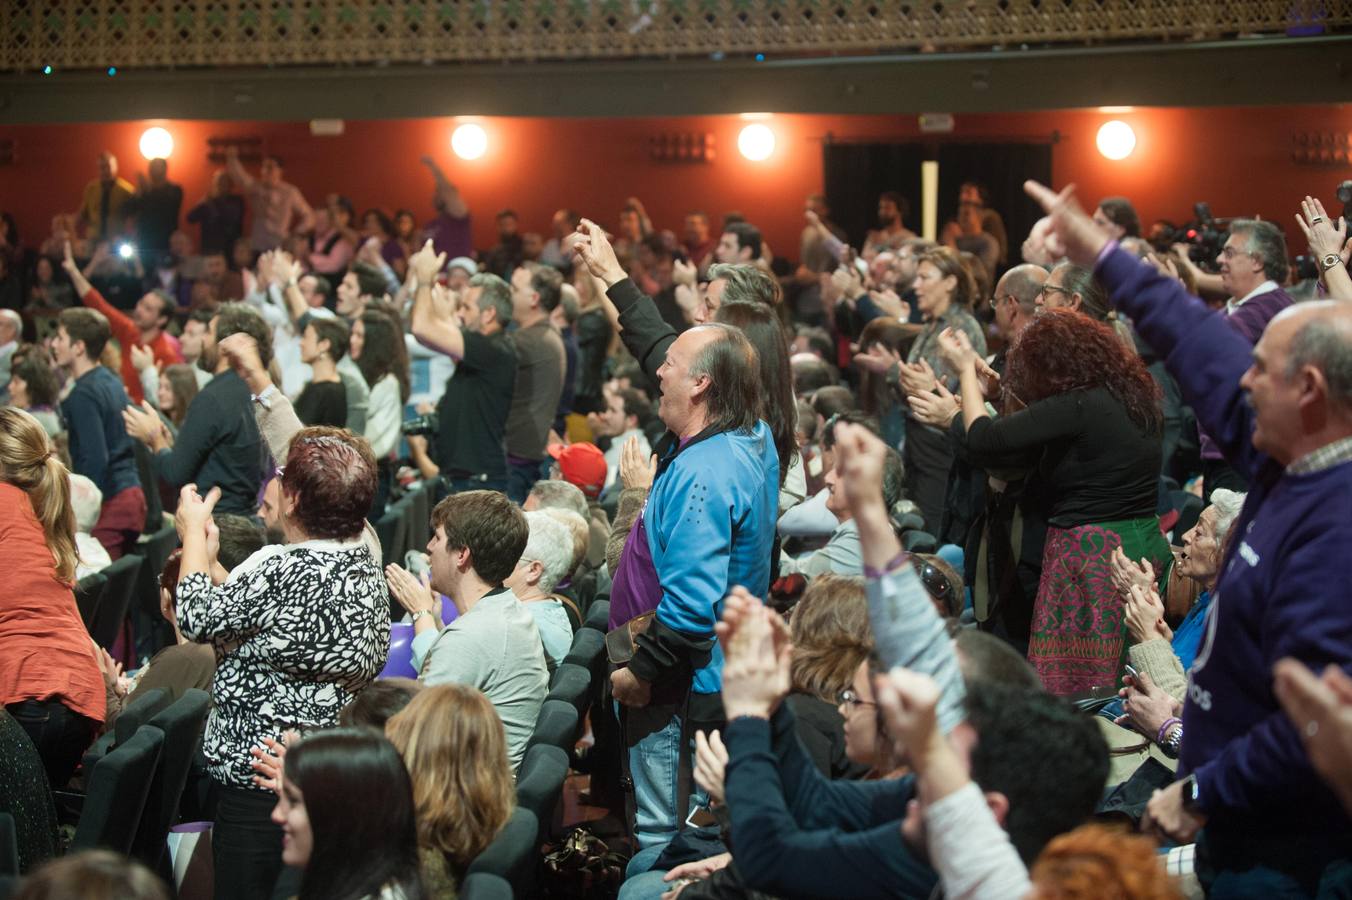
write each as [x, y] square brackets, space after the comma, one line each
[1316, 220]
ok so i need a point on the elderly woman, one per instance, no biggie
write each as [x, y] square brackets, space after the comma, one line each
[545, 562]
[299, 629]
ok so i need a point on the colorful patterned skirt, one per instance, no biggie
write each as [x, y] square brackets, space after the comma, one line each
[1079, 621]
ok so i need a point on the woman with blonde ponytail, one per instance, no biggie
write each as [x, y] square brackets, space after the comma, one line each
[50, 680]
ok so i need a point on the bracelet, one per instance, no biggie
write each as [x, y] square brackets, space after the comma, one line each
[1328, 261]
[1173, 743]
[419, 614]
[893, 564]
[1164, 729]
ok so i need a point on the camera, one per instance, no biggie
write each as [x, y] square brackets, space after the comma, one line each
[421, 426]
[1205, 236]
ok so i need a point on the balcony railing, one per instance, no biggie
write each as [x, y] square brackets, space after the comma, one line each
[160, 34]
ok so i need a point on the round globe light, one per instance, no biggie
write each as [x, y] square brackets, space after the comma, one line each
[469, 141]
[1116, 140]
[156, 143]
[756, 142]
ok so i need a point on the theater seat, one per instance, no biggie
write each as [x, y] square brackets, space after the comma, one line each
[539, 784]
[483, 886]
[181, 723]
[118, 788]
[514, 854]
[571, 684]
[556, 727]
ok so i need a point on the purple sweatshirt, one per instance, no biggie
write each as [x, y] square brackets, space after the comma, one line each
[1249, 319]
[1279, 592]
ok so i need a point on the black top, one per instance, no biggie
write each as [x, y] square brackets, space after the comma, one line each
[156, 211]
[218, 445]
[821, 729]
[222, 221]
[473, 411]
[1096, 464]
[645, 333]
[323, 403]
[593, 331]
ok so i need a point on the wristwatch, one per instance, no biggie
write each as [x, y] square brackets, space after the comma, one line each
[1173, 742]
[1328, 261]
[1191, 796]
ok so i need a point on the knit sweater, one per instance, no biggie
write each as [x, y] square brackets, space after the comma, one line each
[1275, 597]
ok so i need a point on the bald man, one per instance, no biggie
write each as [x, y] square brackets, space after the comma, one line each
[11, 328]
[104, 197]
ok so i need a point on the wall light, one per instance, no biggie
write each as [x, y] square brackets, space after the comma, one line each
[756, 142]
[469, 141]
[1116, 140]
[156, 143]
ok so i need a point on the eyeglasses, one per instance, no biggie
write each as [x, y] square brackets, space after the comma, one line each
[850, 700]
[1232, 252]
[1054, 289]
[995, 301]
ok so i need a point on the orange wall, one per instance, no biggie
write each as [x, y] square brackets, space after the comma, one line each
[1237, 158]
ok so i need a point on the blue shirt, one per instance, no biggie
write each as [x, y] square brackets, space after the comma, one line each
[99, 446]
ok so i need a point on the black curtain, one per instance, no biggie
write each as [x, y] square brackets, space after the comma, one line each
[855, 174]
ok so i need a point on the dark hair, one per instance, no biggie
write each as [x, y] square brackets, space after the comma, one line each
[169, 574]
[167, 303]
[635, 404]
[833, 400]
[811, 375]
[182, 379]
[237, 318]
[982, 192]
[507, 214]
[732, 401]
[202, 316]
[323, 287]
[983, 657]
[277, 160]
[11, 230]
[547, 282]
[847, 417]
[818, 339]
[894, 478]
[380, 700]
[748, 236]
[746, 283]
[383, 351]
[92, 875]
[494, 292]
[875, 394]
[490, 526]
[370, 282]
[331, 472]
[383, 220]
[358, 848]
[1121, 213]
[88, 326]
[241, 537]
[43, 387]
[901, 203]
[1266, 242]
[1062, 351]
[335, 331]
[778, 407]
[1043, 754]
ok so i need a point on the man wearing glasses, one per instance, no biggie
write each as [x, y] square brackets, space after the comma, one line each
[1253, 269]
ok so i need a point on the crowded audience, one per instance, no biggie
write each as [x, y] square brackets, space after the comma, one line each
[962, 568]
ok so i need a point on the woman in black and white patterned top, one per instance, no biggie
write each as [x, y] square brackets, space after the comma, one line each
[299, 629]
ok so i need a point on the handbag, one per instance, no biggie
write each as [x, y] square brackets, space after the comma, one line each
[582, 867]
[620, 640]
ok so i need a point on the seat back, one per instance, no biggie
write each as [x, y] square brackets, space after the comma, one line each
[116, 600]
[118, 787]
[88, 593]
[483, 886]
[132, 717]
[154, 550]
[419, 523]
[556, 727]
[514, 854]
[571, 684]
[598, 616]
[589, 646]
[392, 529]
[181, 723]
[539, 784]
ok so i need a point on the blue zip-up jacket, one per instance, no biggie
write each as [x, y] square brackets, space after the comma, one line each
[1279, 593]
[710, 522]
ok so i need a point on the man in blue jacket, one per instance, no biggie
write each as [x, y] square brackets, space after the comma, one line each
[708, 525]
[1281, 414]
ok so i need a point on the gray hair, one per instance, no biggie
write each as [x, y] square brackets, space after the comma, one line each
[1325, 342]
[496, 293]
[1265, 242]
[551, 545]
[555, 494]
[1227, 504]
[746, 283]
[1093, 296]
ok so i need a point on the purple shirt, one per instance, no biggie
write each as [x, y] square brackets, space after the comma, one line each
[1249, 319]
[450, 235]
[636, 589]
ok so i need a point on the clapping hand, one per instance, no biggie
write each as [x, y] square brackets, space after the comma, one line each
[194, 510]
[285, 269]
[908, 701]
[636, 472]
[414, 595]
[142, 357]
[1126, 573]
[956, 349]
[1147, 705]
[369, 252]
[756, 655]
[891, 304]
[1326, 236]
[426, 263]
[711, 762]
[937, 409]
[917, 378]
[848, 282]
[683, 273]
[142, 422]
[111, 669]
[878, 359]
[1069, 231]
[1145, 614]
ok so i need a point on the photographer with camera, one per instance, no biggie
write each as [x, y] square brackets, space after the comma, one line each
[470, 449]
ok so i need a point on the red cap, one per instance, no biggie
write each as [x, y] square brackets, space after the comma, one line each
[583, 465]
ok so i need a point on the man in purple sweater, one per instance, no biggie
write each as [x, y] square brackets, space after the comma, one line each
[1253, 268]
[1281, 413]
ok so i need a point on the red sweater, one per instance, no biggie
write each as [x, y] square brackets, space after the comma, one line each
[47, 653]
[124, 329]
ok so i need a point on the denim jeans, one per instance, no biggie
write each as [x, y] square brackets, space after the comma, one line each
[60, 735]
[654, 760]
[522, 475]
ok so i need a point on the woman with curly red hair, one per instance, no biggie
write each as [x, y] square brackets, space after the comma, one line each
[1091, 429]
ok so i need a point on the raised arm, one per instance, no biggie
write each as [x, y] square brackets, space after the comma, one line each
[77, 278]
[433, 321]
[451, 201]
[1328, 246]
[238, 174]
